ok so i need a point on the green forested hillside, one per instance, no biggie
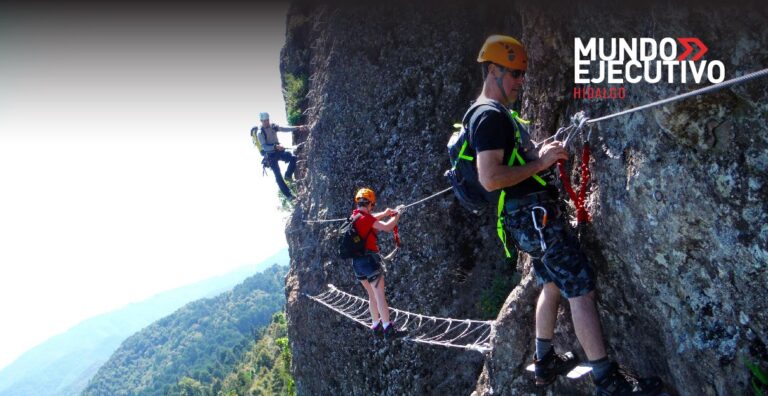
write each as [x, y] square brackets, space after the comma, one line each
[263, 371]
[203, 341]
[64, 364]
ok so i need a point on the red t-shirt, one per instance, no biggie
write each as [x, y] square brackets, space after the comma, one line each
[365, 224]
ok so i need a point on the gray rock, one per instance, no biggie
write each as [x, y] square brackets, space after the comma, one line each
[678, 197]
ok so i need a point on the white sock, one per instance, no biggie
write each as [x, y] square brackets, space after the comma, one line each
[376, 323]
[386, 324]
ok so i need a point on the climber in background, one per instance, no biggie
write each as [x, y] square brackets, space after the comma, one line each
[507, 160]
[368, 268]
[265, 139]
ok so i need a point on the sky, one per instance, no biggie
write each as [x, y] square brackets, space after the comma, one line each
[126, 164]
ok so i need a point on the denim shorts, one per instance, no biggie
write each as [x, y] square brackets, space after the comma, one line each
[563, 262]
[367, 267]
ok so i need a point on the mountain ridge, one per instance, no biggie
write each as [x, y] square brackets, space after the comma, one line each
[68, 358]
[201, 341]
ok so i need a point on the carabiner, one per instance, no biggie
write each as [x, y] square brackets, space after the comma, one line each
[538, 227]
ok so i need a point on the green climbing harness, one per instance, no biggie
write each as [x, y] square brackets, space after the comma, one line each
[518, 123]
[461, 152]
[463, 173]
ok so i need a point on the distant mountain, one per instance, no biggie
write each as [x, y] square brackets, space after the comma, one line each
[63, 365]
[203, 341]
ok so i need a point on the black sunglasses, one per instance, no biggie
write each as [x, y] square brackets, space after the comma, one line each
[514, 73]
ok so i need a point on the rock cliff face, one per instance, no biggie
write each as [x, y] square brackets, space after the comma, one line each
[678, 198]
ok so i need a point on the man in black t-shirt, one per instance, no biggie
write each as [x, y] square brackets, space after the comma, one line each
[508, 160]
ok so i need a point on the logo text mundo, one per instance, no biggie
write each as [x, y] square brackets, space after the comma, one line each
[619, 61]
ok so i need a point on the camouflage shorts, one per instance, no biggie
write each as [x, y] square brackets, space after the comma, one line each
[563, 261]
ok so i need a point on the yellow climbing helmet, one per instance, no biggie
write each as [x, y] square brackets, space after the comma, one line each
[504, 51]
[365, 194]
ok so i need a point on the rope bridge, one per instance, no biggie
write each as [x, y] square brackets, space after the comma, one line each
[468, 334]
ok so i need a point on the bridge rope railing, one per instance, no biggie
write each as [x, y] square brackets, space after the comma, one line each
[467, 334]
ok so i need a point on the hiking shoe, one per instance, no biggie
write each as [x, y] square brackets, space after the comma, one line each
[552, 365]
[392, 332]
[378, 330]
[621, 381]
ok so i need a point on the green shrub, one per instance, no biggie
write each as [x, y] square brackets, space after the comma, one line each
[759, 378]
[286, 205]
[295, 90]
[265, 370]
[492, 299]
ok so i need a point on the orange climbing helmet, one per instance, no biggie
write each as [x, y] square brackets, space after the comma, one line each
[504, 51]
[365, 194]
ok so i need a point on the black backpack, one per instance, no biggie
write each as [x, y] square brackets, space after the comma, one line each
[351, 244]
[463, 173]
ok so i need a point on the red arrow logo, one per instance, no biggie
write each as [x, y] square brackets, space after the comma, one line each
[686, 43]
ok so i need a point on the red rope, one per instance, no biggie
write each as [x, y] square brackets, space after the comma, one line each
[397, 237]
[566, 180]
[582, 215]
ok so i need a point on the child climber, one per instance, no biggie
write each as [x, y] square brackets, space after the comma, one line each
[368, 268]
